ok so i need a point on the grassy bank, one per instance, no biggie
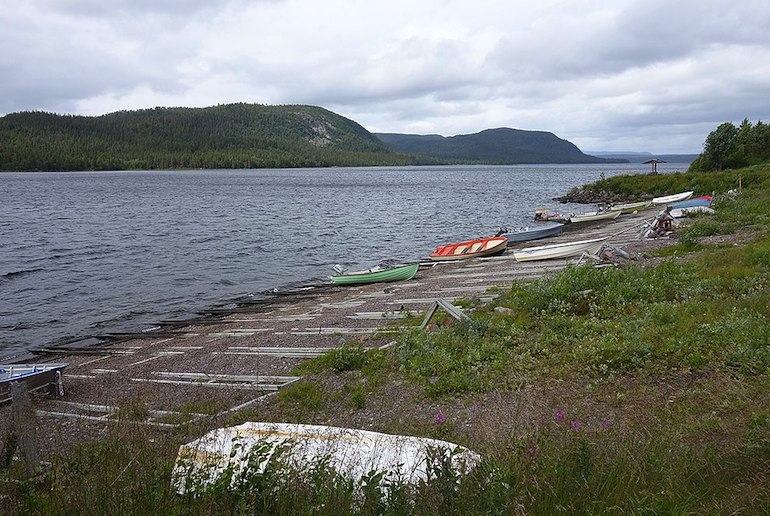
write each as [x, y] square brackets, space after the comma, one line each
[647, 186]
[641, 389]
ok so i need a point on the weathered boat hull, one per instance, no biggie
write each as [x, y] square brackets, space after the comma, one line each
[594, 217]
[401, 273]
[691, 203]
[565, 250]
[666, 199]
[679, 213]
[631, 207]
[533, 234]
[353, 454]
[36, 377]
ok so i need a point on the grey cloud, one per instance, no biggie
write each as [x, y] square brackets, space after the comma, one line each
[608, 73]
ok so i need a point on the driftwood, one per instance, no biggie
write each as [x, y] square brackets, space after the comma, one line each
[448, 308]
[21, 435]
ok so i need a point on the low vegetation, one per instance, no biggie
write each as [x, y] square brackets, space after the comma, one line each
[642, 389]
[647, 186]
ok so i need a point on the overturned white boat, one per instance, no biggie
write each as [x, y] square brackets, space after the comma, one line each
[679, 213]
[246, 450]
[565, 250]
[594, 216]
[672, 198]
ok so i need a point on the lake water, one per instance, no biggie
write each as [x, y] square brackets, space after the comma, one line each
[83, 253]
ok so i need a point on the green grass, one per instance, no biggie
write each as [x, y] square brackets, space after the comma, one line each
[709, 311]
[560, 469]
[640, 186]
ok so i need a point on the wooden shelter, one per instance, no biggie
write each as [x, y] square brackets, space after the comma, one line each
[654, 163]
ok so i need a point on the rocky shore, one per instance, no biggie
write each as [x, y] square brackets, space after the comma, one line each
[584, 194]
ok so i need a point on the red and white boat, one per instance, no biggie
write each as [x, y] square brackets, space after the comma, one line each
[470, 249]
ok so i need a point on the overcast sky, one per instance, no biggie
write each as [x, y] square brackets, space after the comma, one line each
[617, 75]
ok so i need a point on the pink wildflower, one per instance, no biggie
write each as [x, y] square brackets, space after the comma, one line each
[440, 418]
[560, 416]
[576, 425]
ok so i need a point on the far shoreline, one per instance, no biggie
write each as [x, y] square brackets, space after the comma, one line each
[412, 166]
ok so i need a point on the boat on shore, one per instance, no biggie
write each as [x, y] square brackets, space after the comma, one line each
[667, 199]
[377, 275]
[594, 216]
[631, 207]
[691, 211]
[527, 234]
[564, 250]
[703, 200]
[351, 453]
[486, 246]
[36, 377]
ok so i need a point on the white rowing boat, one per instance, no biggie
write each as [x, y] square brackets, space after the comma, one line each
[672, 198]
[565, 250]
[631, 207]
[594, 216]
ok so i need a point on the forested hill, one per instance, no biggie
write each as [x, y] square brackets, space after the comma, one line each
[225, 136]
[495, 146]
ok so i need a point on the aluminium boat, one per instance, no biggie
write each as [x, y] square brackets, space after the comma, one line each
[527, 234]
[36, 377]
[631, 207]
[564, 250]
[594, 216]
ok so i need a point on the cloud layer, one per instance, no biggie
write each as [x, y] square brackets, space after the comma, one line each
[618, 75]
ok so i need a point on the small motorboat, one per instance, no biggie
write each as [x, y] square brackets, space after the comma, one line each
[486, 246]
[667, 199]
[36, 377]
[377, 275]
[594, 216]
[527, 234]
[690, 211]
[703, 200]
[631, 207]
[565, 250]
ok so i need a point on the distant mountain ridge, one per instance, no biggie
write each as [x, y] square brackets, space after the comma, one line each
[252, 136]
[225, 136]
[503, 146]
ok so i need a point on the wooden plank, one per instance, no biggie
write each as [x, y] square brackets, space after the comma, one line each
[453, 310]
[429, 314]
[374, 316]
[274, 351]
[341, 331]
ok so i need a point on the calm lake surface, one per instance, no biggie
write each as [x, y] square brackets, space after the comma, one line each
[83, 253]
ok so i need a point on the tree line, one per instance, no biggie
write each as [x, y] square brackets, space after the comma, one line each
[729, 146]
[226, 136]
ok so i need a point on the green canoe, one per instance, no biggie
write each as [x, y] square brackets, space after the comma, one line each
[377, 275]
